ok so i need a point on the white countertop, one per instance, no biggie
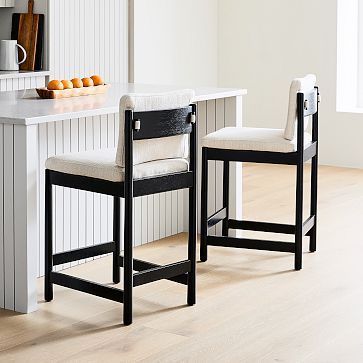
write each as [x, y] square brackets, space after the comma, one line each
[26, 108]
[22, 74]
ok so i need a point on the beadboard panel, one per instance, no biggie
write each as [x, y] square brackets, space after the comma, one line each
[88, 37]
[14, 84]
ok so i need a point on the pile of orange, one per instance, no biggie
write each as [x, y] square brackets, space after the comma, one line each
[75, 83]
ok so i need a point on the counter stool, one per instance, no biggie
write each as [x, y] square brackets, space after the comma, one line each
[156, 153]
[272, 146]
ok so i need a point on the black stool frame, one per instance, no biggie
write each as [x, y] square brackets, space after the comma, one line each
[138, 126]
[307, 104]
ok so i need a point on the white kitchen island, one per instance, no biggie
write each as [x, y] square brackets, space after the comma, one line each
[32, 129]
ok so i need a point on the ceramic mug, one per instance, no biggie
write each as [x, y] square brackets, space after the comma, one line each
[9, 59]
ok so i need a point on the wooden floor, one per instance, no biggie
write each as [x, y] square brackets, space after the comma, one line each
[252, 307]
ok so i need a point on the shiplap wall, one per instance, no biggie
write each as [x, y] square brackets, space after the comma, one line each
[88, 37]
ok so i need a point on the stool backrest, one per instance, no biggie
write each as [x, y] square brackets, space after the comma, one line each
[306, 86]
[162, 123]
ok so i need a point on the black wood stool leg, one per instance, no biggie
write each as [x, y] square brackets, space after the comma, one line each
[225, 197]
[116, 239]
[128, 262]
[48, 286]
[204, 208]
[192, 237]
[314, 201]
[299, 215]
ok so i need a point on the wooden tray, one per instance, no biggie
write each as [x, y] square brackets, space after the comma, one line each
[74, 92]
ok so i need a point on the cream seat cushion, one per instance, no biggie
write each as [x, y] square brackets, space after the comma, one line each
[101, 164]
[254, 139]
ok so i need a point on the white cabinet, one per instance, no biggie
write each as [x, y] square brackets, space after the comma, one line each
[7, 3]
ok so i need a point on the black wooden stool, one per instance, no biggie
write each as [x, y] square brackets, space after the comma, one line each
[271, 146]
[143, 117]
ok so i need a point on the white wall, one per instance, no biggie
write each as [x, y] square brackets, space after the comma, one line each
[175, 42]
[263, 44]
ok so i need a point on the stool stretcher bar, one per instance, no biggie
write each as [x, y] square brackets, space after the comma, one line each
[88, 287]
[81, 253]
[140, 265]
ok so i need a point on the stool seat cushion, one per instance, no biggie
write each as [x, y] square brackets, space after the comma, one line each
[101, 164]
[253, 139]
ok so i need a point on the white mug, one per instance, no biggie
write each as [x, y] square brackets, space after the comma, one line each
[9, 60]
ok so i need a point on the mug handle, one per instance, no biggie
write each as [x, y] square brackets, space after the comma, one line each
[24, 52]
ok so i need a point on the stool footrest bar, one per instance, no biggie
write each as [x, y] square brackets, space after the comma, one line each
[217, 217]
[82, 253]
[140, 265]
[253, 244]
[261, 226]
[88, 287]
[162, 272]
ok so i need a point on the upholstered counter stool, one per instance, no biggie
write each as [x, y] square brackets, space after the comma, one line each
[156, 153]
[292, 146]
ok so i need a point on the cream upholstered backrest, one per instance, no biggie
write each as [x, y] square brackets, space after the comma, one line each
[305, 84]
[154, 149]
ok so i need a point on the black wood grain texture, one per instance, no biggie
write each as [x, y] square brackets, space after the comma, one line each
[157, 124]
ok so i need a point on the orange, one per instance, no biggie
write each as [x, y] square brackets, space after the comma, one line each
[77, 83]
[87, 82]
[55, 85]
